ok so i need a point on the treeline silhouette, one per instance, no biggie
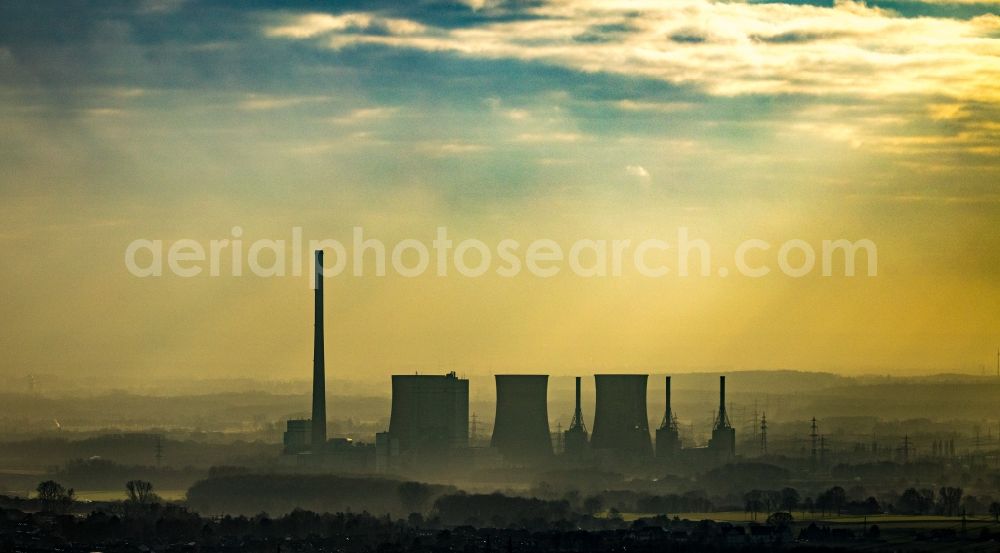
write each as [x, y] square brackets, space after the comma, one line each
[132, 527]
[235, 491]
[247, 494]
[105, 474]
[454, 521]
[888, 470]
[499, 511]
[199, 450]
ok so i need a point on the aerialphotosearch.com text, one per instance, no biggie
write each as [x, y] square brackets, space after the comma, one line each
[365, 255]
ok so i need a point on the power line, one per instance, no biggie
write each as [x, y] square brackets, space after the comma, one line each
[763, 434]
[813, 435]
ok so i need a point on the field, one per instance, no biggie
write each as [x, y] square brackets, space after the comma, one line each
[915, 522]
[116, 495]
[900, 532]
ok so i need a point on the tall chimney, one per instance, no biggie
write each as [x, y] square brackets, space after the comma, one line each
[319, 364]
[668, 415]
[575, 437]
[722, 420]
[579, 410]
[668, 440]
[723, 440]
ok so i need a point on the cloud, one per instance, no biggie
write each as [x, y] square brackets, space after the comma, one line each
[637, 171]
[480, 4]
[365, 114]
[662, 107]
[105, 112]
[947, 111]
[263, 103]
[847, 49]
[549, 137]
[316, 24]
[454, 148]
[160, 6]
[955, 2]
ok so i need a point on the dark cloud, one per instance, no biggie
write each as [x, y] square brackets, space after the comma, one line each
[688, 37]
[604, 33]
[907, 8]
[438, 13]
[956, 10]
[210, 56]
[798, 36]
[62, 54]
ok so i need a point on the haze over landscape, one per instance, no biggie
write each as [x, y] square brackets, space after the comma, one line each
[500, 275]
[171, 120]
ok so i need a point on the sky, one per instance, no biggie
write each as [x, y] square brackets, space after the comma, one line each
[565, 119]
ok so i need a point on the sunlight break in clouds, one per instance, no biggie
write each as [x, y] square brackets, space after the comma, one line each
[262, 103]
[637, 171]
[725, 48]
[308, 26]
[512, 119]
[365, 114]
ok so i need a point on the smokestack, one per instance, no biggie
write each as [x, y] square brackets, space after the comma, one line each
[319, 363]
[722, 420]
[579, 409]
[723, 441]
[668, 441]
[669, 413]
[575, 437]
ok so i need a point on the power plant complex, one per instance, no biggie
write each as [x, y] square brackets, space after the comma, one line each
[621, 424]
[429, 424]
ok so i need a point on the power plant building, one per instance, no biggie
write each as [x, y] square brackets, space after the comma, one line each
[430, 414]
[298, 436]
[668, 441]
[429, 422]
[309, 435]
[723, 442]
[521, 428]
[621, 424]
[575, 437]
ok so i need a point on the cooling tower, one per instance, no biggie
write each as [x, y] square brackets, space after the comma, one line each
[620, 419]
[430, 413]
[521, 428]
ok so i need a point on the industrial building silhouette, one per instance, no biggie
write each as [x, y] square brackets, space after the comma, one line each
[318, 421]
[521, 428]
[668, 439]
[429, 423]
[575, 437]
[621, 423]
[430, 414]
[429, 429]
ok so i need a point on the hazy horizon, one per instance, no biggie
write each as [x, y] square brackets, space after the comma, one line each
[743, 382]
[565, 120]
[752, 246]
